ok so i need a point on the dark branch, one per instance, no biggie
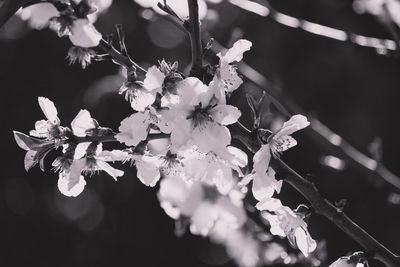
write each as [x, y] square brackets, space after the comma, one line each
[323, 206]
[195, 39]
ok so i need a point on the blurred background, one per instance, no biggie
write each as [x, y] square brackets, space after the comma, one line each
[352, 89]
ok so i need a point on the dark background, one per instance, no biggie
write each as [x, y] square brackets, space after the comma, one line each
[351, 89]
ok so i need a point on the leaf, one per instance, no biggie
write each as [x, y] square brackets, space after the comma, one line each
[34, 157]
[27, 142]
[30, 160]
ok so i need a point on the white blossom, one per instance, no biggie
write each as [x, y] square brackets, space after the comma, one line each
[142, 95]
[227, 80]
[84, 34]
[263, 176]
[285, 222]
[46, 128]
[199, 119]
[38, 15]
[134, 129]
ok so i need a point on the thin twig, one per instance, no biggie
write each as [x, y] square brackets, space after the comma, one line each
[323, 207]
[195, 39]
[118, 57]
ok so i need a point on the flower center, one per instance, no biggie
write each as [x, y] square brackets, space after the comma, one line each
[200, 116]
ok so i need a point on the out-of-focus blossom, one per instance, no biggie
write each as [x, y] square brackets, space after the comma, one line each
[38, 15]
[285, 222]
[214, 169]
[201, 203]
[383, 9]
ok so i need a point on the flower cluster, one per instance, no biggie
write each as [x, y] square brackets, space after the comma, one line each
[72, 18]
[79, 154]
[178, 134]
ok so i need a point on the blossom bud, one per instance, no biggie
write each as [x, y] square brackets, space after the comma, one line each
[84, 34]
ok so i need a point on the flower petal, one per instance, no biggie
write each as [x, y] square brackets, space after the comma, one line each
[225, 114]
[148, 170]
[212, 137]
[49, 109]
[269, 204]
[304, 242]
[80, 150]
[70, 188]
[82, 122]
[154, 79]
[84, 34]
[114, 173]
[134, 129]
[236, 52]
[264, 186]
[294, 124]
[261, 159]
[142, 98]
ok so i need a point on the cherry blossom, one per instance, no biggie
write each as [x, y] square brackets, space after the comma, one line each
[281, 140]
[141, 95]
[47, 128]
[199, 119]
[285, 222]
[134, 129]
[84, 34]
[226, 79]
[84, 157]
[263, 176]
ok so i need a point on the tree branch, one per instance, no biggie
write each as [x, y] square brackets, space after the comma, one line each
[195, 39]
[323, 206]
[335, 215]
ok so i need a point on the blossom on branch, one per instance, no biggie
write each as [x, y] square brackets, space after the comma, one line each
[285, 222]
